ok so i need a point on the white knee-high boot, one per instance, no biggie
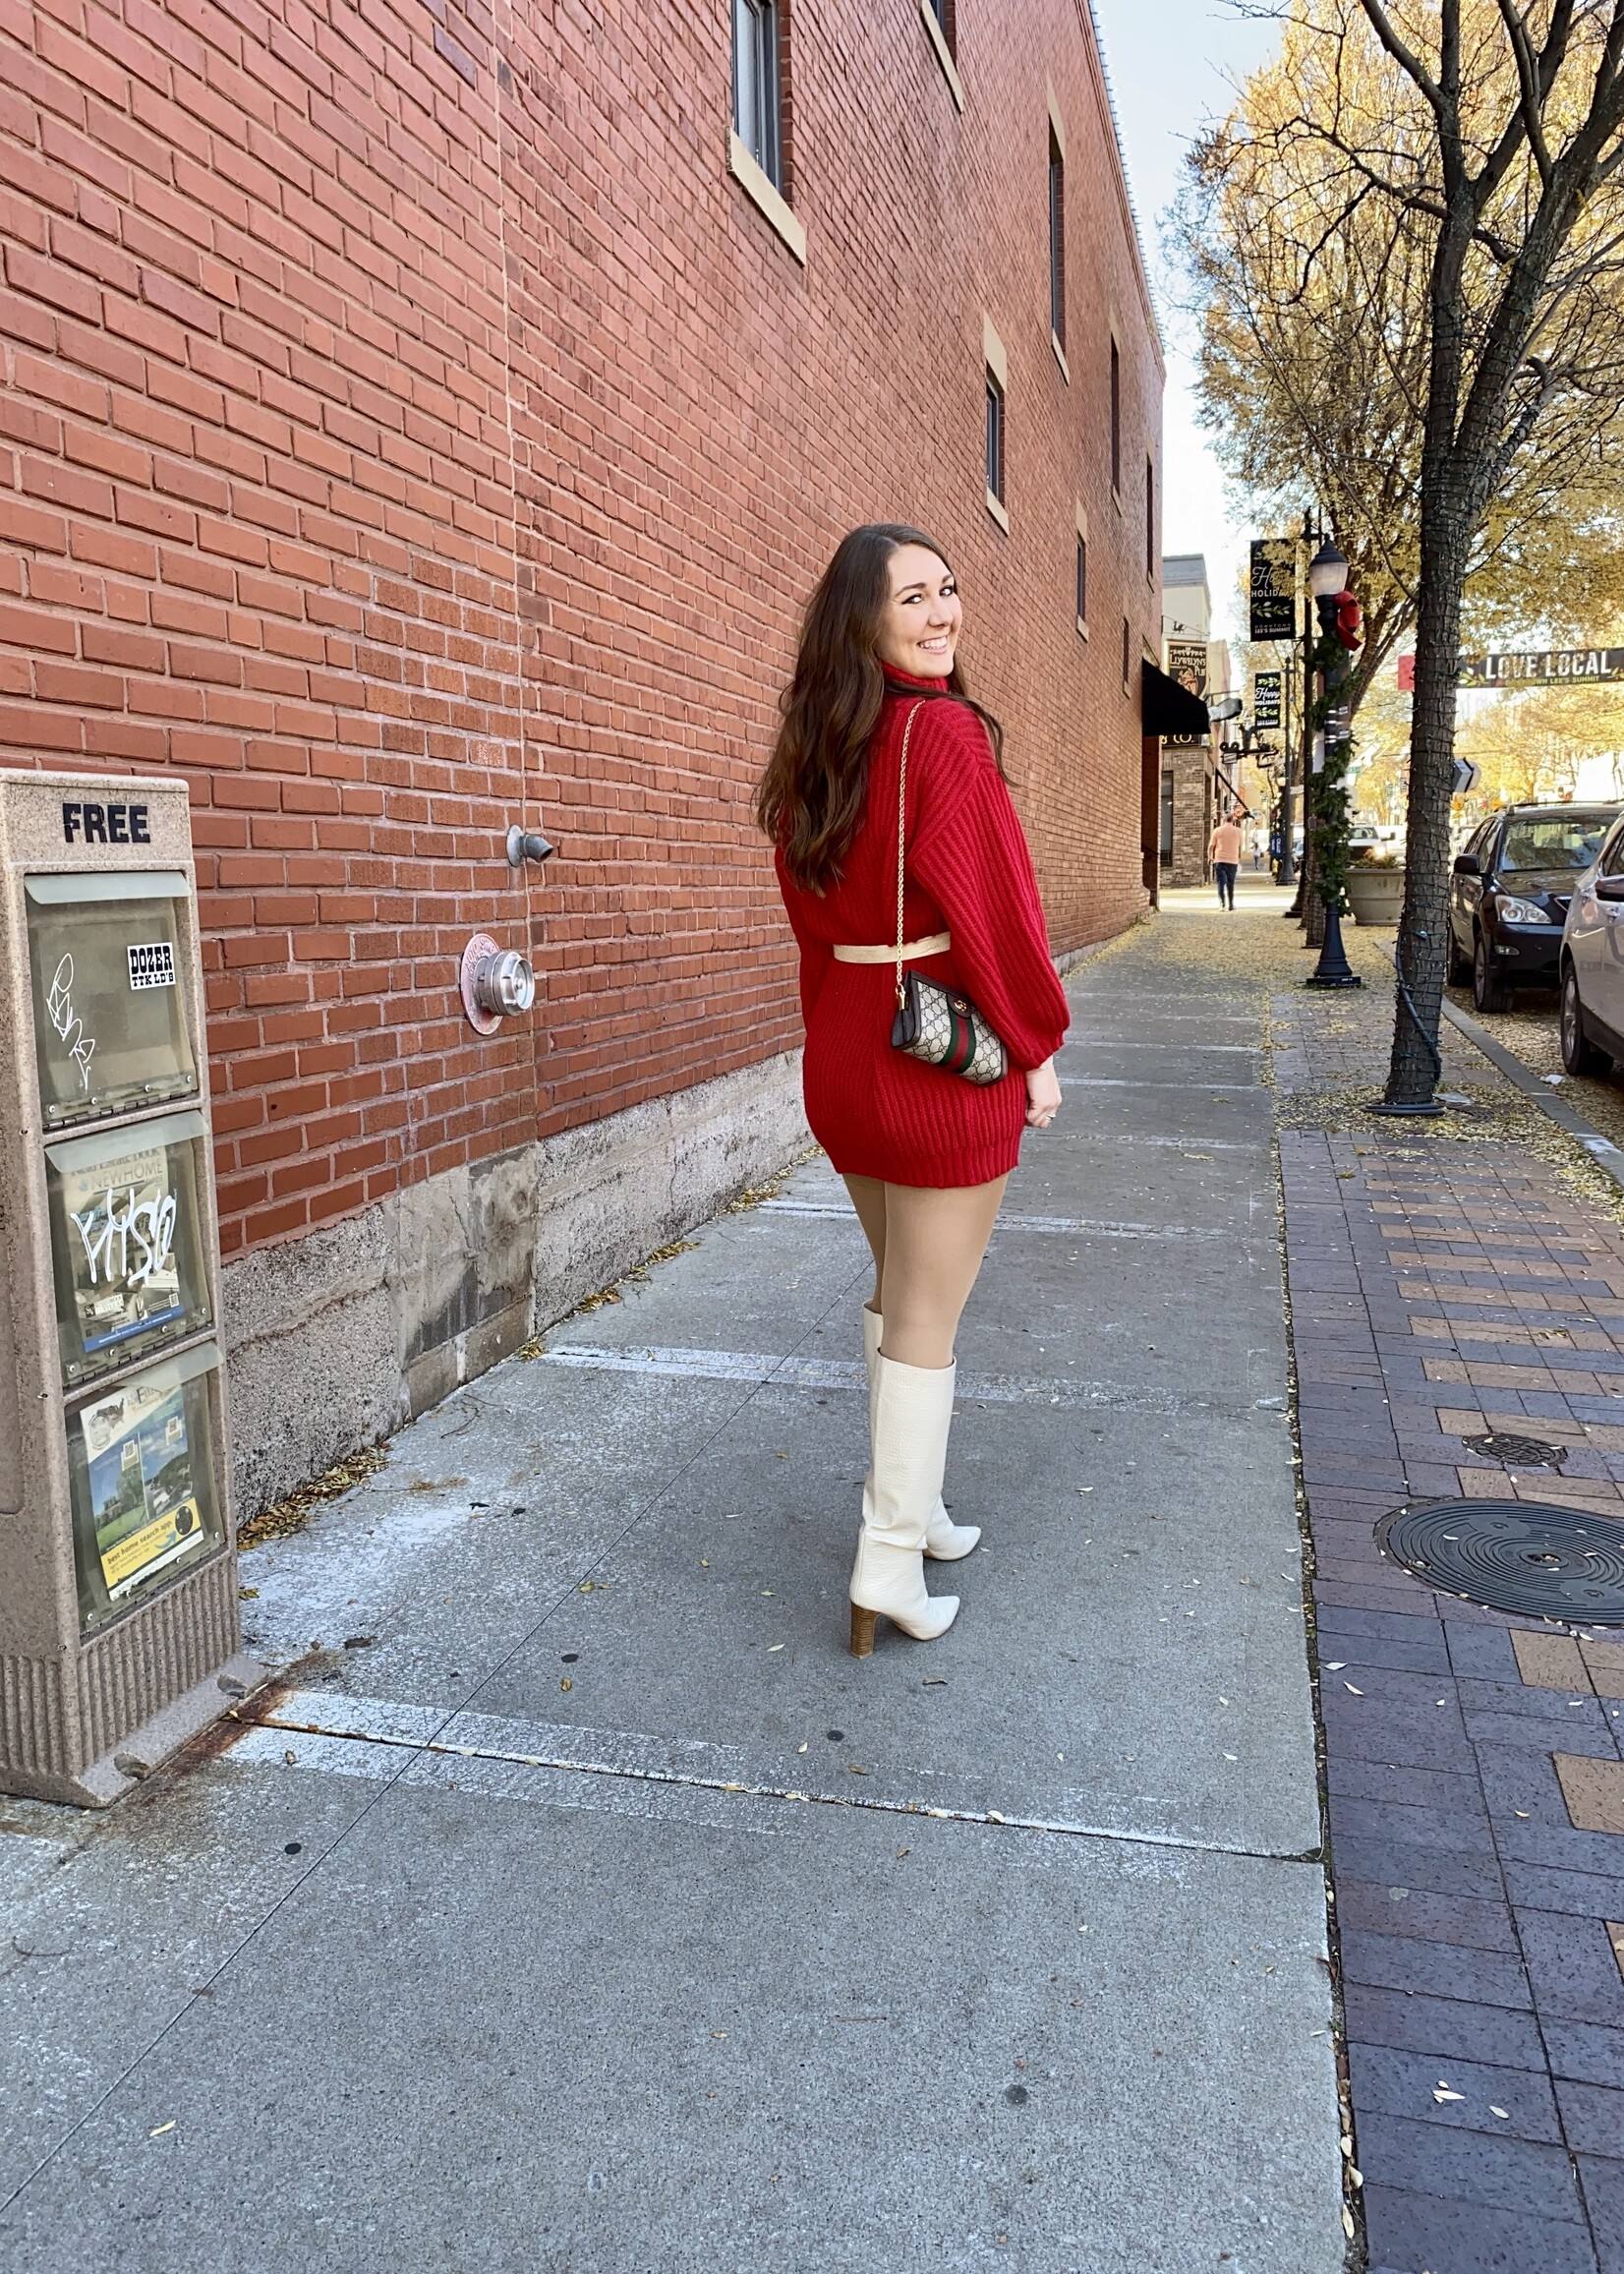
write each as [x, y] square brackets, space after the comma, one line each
[944, 1540]
[912, 1414]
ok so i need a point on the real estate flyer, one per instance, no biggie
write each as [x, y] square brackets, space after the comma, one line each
[144, 1500]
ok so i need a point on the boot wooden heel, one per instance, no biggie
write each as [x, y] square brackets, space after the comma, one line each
[862, 1632]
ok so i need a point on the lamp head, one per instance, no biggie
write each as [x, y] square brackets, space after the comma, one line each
[1328, 571]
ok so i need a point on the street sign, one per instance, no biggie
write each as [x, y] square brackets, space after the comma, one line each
[1513, 667]
[1274, 588]
[1541, 668]
[1265, 698]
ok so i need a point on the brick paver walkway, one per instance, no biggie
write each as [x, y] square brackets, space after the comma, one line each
[1440, 1289]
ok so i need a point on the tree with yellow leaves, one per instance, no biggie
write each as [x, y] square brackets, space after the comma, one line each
[1438, 187]
[1531, 746]
[1312, 360]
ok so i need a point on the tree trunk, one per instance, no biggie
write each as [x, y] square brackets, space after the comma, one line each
[1446, 531]
[1422, 940]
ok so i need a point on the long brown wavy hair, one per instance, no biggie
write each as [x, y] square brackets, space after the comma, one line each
[810, 802]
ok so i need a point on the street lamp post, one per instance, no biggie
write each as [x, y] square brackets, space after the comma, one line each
[1288, 851]
[1338, 614]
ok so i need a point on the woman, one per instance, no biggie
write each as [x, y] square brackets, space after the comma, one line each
[925, 1155]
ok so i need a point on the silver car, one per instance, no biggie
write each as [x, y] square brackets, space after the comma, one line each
[1592, 962]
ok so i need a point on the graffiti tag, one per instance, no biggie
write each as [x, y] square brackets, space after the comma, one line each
[126, 1241]
[59, 1010]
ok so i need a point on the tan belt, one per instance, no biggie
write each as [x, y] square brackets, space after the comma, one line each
[938, 944]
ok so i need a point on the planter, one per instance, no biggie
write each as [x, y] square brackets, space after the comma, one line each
[1376, 895]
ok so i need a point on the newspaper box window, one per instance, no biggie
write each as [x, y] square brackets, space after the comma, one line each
[140, 1456]
[119, 1626]
[109, 1018]
[127, 1242]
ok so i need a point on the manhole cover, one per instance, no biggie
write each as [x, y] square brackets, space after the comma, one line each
[1517, 1452]
[1520, 1555]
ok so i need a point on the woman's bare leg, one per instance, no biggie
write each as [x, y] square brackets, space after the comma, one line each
[868, 1197]
[933, 1244]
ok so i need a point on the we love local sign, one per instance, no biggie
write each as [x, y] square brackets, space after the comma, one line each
[1528, 667]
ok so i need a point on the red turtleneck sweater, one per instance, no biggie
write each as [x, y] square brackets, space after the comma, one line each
[875, 1111]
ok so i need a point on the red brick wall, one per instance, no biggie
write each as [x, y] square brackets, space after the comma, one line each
[408, 425]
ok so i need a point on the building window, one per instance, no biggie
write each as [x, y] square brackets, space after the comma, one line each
[1083, 581]
[1056, 238]
[995, 437]
[1116, 419]
[758, 103]
[1150, 519]
[1126, 652]
[946, 16]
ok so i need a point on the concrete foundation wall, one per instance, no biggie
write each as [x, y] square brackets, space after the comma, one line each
[335, 1339]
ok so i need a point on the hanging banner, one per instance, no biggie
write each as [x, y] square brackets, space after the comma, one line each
[1187, 662]
[1274, 588]
[1265, 698]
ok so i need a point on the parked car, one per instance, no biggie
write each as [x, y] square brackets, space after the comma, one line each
[1593, 963]
[1509, 897]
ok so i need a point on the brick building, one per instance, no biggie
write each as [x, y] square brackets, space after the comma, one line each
[418, 419]
[1192, 795]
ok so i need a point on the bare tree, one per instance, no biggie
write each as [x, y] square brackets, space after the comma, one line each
[1438, 181]
[1312, 305]
[1527, 107]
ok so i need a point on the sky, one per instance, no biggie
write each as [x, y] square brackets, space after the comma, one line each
[1171, 62]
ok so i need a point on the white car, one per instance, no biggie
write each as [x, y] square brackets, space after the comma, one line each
[1592, 962]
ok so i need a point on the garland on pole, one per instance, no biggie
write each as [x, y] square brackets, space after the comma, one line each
[1330, 810]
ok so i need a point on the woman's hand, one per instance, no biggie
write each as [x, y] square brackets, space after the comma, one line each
[1042, 1095]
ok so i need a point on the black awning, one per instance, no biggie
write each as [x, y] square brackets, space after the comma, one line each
[1166, 707]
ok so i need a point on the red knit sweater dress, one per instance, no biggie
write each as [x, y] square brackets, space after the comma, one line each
[875, 1111]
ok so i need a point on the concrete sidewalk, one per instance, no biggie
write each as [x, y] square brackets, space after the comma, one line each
[581, 1905]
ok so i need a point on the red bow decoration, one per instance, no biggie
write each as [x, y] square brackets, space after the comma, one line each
[1350, 621]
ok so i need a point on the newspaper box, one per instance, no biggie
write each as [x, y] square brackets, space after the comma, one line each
[119, 1634]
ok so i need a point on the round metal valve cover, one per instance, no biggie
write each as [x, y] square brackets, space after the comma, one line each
[1522, 1556]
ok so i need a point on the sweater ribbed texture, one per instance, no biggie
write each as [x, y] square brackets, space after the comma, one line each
[875, 1111]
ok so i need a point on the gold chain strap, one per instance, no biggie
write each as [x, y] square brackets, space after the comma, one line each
[901, 843]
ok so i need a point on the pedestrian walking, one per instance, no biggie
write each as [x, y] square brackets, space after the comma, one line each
[1224, 853]
[932, 1006]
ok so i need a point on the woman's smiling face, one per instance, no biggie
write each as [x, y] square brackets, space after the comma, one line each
[920, 622]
